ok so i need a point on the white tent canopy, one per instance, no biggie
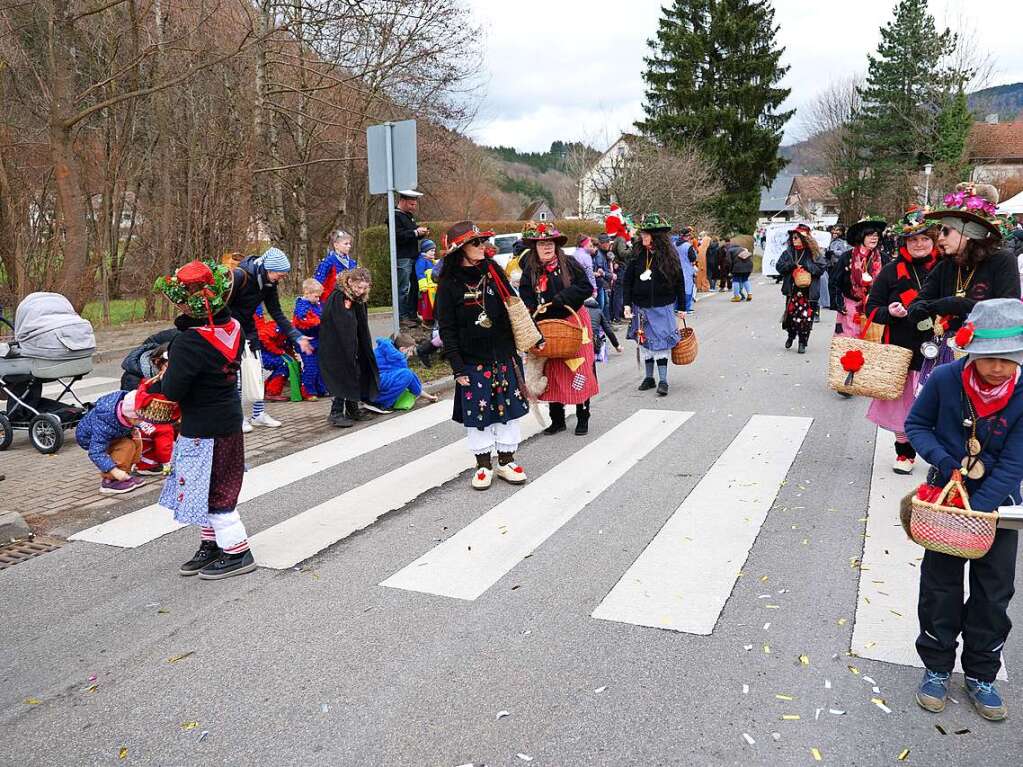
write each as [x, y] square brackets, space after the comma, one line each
[1013, 205]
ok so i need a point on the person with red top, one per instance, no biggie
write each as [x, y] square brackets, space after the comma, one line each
[895, 288]
[802, 259]
[968, 420]
[306, 318]
[158, 433]
[856, 272]
[273, 349]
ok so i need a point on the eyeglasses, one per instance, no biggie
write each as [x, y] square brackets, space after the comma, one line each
[477, 242]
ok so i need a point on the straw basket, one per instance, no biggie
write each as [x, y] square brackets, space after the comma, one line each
[158, 411]
[949, 530]
[801, 277]
[562, 338]
[523, 328]
[883, 373]
[684, 352]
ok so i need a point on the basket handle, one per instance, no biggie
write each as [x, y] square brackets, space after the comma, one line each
[955, 482]
[502, 291]
[566, 306]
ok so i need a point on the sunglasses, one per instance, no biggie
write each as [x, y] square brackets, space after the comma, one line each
[477, 242]
[946, 231]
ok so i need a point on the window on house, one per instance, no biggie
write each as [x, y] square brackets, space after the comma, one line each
[605, 198]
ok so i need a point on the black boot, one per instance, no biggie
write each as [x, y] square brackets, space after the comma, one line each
[582, 418]
[802, 347]
[647, 383]
[790, 340]
[208, 552]
[423, 352]
[557, 419]
[337, 416]
[356, 412]
[227, 565]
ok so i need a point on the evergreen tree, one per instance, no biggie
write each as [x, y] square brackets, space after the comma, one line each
[895, 131]
[712, 83]
[954, 121]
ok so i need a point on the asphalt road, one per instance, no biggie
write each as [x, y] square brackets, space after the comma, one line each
[110, 657]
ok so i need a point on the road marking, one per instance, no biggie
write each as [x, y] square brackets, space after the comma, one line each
[475, 558]
[890, 569]
[296, 539]
[85, 385]
[685, 575]
[139, 527]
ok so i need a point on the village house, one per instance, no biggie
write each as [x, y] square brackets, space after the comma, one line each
[995, 150]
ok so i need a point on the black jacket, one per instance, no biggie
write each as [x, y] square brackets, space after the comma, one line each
[842, 274]
[790, 260]
[899, 284]
[657, 291]
[203, 382]
[465, 342]
[742, 267]
[347, 362]
[995, 277]
[405, 235]
[251, 287]
[557, 294]
[132, 365]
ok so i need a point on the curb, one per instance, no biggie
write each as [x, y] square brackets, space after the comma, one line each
[439, 386]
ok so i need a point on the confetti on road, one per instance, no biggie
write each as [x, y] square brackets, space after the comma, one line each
[836, 711]
[816, 754]
[880, 704]
[841, 621]
[502, 715]
[186, 726]
[32, 701]
[745, 689]
[804, 659]
[202, 736]
[92, 688]
[868, 680]
[767, 626]
[854, 670]
[941, 729]
[524, 757]
[961, 732]
[903, 754]
[122, 753]
[790, 717]
[827, 684]
[779, 696]
[817, 715]
[749, 739]
[747, 647]
[767, 649]
[600, 689]
[776, 736]
[176, 658]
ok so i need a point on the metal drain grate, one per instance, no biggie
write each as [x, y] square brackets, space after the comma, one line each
[16, 553]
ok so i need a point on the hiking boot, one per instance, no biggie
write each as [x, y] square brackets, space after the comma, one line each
[647, 383]
[985, 699]
[265, 419]
[933, 690]
[582, 419]
[208, 553]
[903, 465]
[227, 565]
[120, 487]
[662, 389]
[557, 413]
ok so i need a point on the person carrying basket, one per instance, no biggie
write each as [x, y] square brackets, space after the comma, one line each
[968, 422]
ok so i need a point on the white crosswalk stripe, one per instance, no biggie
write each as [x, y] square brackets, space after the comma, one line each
[90, 388]
[886, 624]
[139, 527]
[685, 575]
[474, 559]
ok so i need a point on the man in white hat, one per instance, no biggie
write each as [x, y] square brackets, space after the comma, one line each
[408, 233]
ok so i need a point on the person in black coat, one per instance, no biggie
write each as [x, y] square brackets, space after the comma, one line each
[802, 253]
[894, 289]
[347, 362]
[555, 287]
[407, 234]
[137, 365]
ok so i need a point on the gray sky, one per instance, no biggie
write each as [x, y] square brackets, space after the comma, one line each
[576, 73]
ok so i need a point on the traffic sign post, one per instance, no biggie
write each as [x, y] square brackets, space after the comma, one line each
[391, 153]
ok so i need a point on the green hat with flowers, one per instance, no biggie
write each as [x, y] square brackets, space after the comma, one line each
[915, 222]
[538, 232]
[654, 222]
[201, 288]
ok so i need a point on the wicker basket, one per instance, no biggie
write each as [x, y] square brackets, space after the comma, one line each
[523, 328]
[949, 530]
[684, 352]
[562, 338]
[801, 277]
[158, 411]
[884, 371]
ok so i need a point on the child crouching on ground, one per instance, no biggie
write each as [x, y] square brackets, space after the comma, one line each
[159, 417]
[307, 319]
[108, 433]
[395, 376]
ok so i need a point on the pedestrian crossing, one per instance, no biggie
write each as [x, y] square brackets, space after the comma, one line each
[89, 388]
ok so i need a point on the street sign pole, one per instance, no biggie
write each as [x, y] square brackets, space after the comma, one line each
[391, 236]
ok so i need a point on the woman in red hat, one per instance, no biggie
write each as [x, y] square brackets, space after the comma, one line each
[555, 287]
[801, 255]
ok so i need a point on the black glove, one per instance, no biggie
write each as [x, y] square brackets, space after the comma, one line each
[960, 307]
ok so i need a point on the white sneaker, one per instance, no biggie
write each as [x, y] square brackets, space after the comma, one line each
[511, 472]
[481, 478]
[264, 419]
[246, 426]
[903, 465]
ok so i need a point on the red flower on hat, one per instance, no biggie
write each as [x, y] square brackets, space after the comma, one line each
[195, 273]
[964, 335]
[852, 360]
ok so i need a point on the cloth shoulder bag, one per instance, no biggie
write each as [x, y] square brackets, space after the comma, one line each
[252, 375]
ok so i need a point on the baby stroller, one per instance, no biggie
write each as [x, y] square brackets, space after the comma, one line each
[51, 344]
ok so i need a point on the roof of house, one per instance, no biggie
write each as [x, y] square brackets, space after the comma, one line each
[775, 197]
[533, 208]
[998, 141]
[817, 188]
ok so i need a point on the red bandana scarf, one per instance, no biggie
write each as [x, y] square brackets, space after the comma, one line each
[863, 262]
[224, 338]
[549, 268]
[987, 399]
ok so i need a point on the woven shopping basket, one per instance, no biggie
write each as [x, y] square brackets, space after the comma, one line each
[802, 277]
[523, 328]
[865, 368]
[562, 338]
[684, 352]
[950, 530]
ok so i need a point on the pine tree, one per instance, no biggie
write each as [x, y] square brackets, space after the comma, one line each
[712, 83]
[895, 131]
[953, 126]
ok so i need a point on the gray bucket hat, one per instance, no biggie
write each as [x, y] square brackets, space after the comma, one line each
[993, 329]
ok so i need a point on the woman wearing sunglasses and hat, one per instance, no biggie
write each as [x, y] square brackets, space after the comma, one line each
[555, 287]
[801, 266]
[479, 345]
[969, 418]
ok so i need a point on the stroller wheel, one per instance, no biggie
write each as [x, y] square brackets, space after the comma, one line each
[46, 433]
[6, 432]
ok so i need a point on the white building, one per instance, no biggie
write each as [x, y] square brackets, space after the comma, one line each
[594, 198]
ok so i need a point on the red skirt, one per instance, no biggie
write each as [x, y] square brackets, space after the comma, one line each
[425, 307]
[572, 387]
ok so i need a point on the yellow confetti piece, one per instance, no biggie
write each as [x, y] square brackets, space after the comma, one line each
[790, 717]
[176, 658]
[32, 701]
[854, 670]
[867, 600]
[804, 659]
[841, 621]
[92, 688]
[763, 579]
[806, 541]
[767, 649]
[162, 611]
[895, 612]
[779, 696]
[122, 753]
[903, 754]
[870, 644]
[816, 754]
[186, 726]
[771, 607]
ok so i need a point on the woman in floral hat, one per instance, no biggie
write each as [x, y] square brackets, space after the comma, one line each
[803, 254]
[895, 288]
[552, 287]
[976, 266]
[653, 287]
[480, 347]
[858, 269]
[209, 455]
[969, 419]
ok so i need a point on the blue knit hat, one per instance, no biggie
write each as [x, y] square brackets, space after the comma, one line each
[274, 260]
[426, 245]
